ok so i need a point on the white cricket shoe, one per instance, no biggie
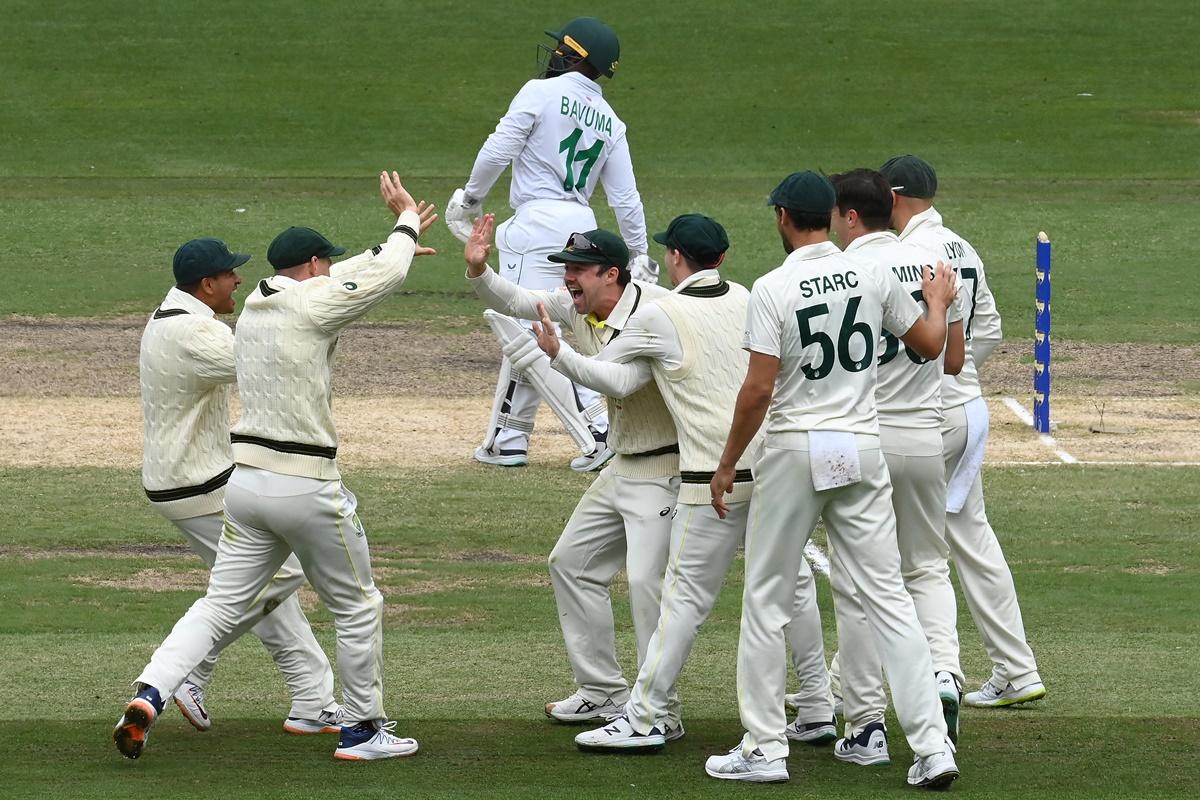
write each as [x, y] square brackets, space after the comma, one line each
[370, 740]
[595, 460]
[619, 734]
[674, 732]
[867, 748]
[992, 696]
[326, 722]
[516, 458]
[951, 696]
[189, 699]
[733, 766]
[578, 708]
[935, 771]
[814, 733]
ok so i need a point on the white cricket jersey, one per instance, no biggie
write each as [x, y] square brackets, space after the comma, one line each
[821, 313]
[185, 367]
[981, 320]
[286, 340]
[563, 139]
[909, 389]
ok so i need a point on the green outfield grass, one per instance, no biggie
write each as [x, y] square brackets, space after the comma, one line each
[133, 128]
[1104, 560]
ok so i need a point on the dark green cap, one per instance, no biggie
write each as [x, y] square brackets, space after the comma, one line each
[201, 258]
[594, 247]
[592, 39]
[804, 191]
[698, 237]
[297, 245]
[910, 176]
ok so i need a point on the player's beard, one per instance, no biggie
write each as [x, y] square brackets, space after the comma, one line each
[787, 246]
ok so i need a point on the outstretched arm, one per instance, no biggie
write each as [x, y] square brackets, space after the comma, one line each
[505, 296]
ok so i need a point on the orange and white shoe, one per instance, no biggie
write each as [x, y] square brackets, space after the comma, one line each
[189, 699]
[326, 722]
[133, 728]
[371, 740]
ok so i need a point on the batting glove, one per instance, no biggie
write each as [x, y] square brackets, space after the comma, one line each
[461, 209]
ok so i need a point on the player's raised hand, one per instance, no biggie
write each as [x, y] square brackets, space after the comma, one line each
[479, 244]
[938, 286]
[547, 335]
[394, 194]
[719, 486]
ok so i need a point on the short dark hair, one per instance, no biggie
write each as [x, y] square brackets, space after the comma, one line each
[867, 192]
[623, 273]
[808, 220]
[190, 288]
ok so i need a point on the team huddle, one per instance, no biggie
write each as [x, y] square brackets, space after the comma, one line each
[842, 387]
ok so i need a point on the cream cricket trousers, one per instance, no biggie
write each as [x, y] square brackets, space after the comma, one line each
[619, 522]
[862, 530]
[277, 621]
[702, 547]
[268, 517]
[983, 572]
[806, 639]
[918, 475]
[524, 243]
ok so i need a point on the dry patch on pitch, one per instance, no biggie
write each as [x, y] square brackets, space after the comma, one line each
[409, 396]
[1116, 429]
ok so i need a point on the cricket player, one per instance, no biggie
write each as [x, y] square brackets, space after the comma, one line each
[185, 367]
[285, 494]
[983, 572]
[688, 343]
[562, 138]
[624, 517]
[812, 329]
[908, 402]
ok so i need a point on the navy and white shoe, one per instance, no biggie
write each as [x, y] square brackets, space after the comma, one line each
[618, 734]
[133, 728]
[951, 697]
[501, 458]
[867, 748]
[674, 732]
[189, 699]
[578, 708]
[814, 733]
[371, 740]
[757, 768]
[936, 771]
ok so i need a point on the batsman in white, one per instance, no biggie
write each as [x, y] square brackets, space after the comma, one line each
[623, 519]
[562, 138]
[812, 328]
[908, 401]
[983, 572]
[286, 495]
[185, 367]
[688, 344]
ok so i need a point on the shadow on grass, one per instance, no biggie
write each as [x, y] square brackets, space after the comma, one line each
[1008, 754]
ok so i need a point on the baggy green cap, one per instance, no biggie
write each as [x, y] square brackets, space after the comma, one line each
[592, 39]
[297, 245]
[804, 191]
[910, 176]
[701, 238]
[202, 258]
[594, 247]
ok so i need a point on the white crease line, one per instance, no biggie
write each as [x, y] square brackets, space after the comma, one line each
[1019, 411]
[1093, 463]
[816, 557]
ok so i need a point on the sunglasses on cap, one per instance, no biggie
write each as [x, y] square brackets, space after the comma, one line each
[579, 243]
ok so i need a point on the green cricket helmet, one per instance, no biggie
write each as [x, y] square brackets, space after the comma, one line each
[582, 39]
